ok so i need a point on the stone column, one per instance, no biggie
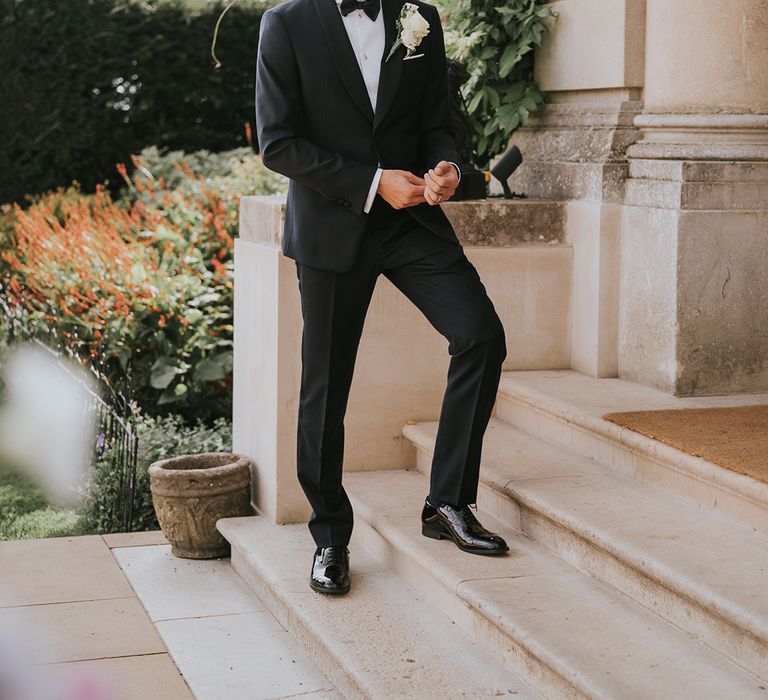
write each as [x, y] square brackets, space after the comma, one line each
[706, 56]
[591, 66]
[694, 257]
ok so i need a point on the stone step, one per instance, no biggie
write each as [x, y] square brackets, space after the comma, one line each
[696, 571]
[567, 633]
[384, 639]
[566, 409]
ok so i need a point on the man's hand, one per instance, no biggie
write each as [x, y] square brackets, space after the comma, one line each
[401, 189]
[440, 183]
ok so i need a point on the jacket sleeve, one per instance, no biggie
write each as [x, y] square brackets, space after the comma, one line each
[438, 140]
[278, 125]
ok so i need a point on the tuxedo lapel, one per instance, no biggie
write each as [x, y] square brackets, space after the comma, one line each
[389, 78]
[343, 54]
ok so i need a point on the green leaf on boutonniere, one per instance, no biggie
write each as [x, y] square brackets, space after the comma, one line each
[394, 48]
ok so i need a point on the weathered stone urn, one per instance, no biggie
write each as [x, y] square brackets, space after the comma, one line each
[191, 492]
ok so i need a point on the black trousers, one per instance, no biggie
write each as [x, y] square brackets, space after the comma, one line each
[437, 277]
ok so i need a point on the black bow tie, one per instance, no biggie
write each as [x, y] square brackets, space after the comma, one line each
[370, 7]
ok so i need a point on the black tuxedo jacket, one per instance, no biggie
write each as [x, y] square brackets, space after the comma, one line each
[315, 124]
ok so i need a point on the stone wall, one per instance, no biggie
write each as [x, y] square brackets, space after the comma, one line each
[658, 111]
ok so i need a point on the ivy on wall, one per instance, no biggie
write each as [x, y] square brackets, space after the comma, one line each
[495, 42]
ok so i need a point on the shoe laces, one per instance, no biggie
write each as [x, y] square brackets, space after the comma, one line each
[468, 514]
[334, 555]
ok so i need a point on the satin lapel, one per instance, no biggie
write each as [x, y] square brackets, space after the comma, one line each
[389, 78]
[343, 54]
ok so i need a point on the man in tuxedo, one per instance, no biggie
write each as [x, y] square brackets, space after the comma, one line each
[366, 142]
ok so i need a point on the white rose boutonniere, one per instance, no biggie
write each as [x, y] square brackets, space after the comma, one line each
[412, 28]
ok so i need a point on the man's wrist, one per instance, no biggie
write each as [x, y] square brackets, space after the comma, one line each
[458, 169]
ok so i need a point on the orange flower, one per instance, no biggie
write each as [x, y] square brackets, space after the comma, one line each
[84, 261]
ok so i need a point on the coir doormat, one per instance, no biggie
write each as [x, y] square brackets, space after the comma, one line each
[735, 438]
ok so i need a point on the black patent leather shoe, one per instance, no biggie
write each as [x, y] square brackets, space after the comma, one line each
[330, 570]
[461, 526]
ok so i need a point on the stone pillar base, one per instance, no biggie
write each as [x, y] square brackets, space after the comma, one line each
[729, 137]
[575, 147]
[694, 273]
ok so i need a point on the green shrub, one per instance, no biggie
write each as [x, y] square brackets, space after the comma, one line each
[159, 438]
[144, 281]
[4, 347]
[26, 514]
[229, 173]
[495, 41]
[86, 83]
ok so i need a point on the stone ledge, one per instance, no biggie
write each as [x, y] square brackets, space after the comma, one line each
[697, 185]
[736, 137]
[731, 151]
[262, 218]
[698, 170]
[492, 222]
[597, 182]
[720, 196]
[699, 128]
[507, 222]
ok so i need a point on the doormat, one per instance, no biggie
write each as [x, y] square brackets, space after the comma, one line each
[735, 438]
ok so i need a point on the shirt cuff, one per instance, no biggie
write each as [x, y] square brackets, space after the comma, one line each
[372, 191]
[458, 169]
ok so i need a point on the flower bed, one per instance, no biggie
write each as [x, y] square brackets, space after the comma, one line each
[144, 281]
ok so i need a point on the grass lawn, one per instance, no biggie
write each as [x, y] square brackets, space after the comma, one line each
[25, 513]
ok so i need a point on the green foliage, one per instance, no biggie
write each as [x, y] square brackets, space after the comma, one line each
[4, 343]
[228, 173]
[495, 42]
[86, 83]
[46, 522]
[185, 366]
[25, 514]
[146, 279]
[159, 438]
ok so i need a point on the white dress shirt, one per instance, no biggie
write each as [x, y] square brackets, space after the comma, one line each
[367, 39]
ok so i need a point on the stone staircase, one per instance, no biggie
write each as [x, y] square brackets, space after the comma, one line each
[384, 639]
[634, 571]
[565, 408]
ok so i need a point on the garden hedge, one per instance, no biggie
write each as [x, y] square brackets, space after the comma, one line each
[85, 84]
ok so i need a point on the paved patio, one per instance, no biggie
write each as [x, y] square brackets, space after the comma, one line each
[123, 610]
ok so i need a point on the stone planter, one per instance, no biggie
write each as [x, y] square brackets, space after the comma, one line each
[190, 493]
